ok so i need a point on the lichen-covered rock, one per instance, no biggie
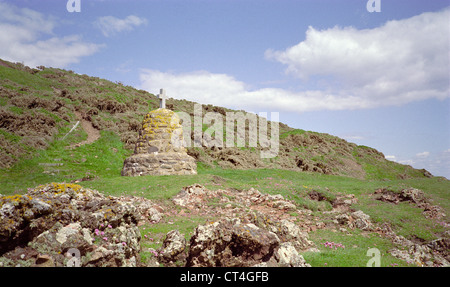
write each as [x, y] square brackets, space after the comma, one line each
[289, 231]
[38, 228]
[433, 253]
[357, 219]
[172, 249]
[160, 147]
[414, 196]
[192, 195]
[231, 243]
[161, 132]
[288, 256]
[265, 211]
[361, 220]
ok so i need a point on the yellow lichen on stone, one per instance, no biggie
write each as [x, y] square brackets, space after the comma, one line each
[16, 199]
[160, 118]
[159, 149]
[58, 188]
[62, 187]
[158, 129]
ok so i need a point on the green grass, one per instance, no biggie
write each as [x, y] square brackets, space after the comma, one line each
[16, 110]
[377, 169]
[9, 136]
[156, 188]
[24, 78]
[292, 132]
[405, 218]
[355, 252]
[102, 162]
[102, 159]
[153, 235]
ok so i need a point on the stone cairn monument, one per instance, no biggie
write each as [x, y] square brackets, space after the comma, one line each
[159, 149]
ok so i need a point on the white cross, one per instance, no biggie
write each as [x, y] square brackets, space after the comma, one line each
[162, 99]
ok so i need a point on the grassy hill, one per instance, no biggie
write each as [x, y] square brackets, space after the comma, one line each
[38, 107]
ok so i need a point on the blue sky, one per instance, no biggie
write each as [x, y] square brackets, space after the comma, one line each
[379, 79]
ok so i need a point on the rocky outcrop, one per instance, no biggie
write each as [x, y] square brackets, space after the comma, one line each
[232, 243]
[413, 196]
[60, 224]
[172, 249]
[195, 196]
[287, 256]
[357, 219]
[67, 225]
[263, 234]
[159, 149]
[431, 254]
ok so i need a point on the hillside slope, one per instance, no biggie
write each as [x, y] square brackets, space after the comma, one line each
[321, 187]
[39, 106]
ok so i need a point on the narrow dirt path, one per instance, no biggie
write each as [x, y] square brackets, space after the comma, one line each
[93, 133]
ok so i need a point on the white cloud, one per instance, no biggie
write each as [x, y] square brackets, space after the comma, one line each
[424, 154]
[399, 62]
[27, 36]
[407, 162]
[353, 137]
[110, 25]
[438, 163]
[224, 90]
[199, 86]
[391, 157]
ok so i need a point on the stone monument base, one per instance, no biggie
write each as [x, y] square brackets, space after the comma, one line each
[159, 164]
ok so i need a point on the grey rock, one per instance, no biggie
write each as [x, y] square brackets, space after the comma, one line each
[288, 256]
[174, 244]
[223, 243]
[54, 218]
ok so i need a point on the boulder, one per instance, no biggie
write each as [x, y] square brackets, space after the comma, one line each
[288, 256]
[361, 220]
[412, 194]
[231, 243]
[51, 219]
[343, 219]
[289, 231]
[191, 195]
[172, 249]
